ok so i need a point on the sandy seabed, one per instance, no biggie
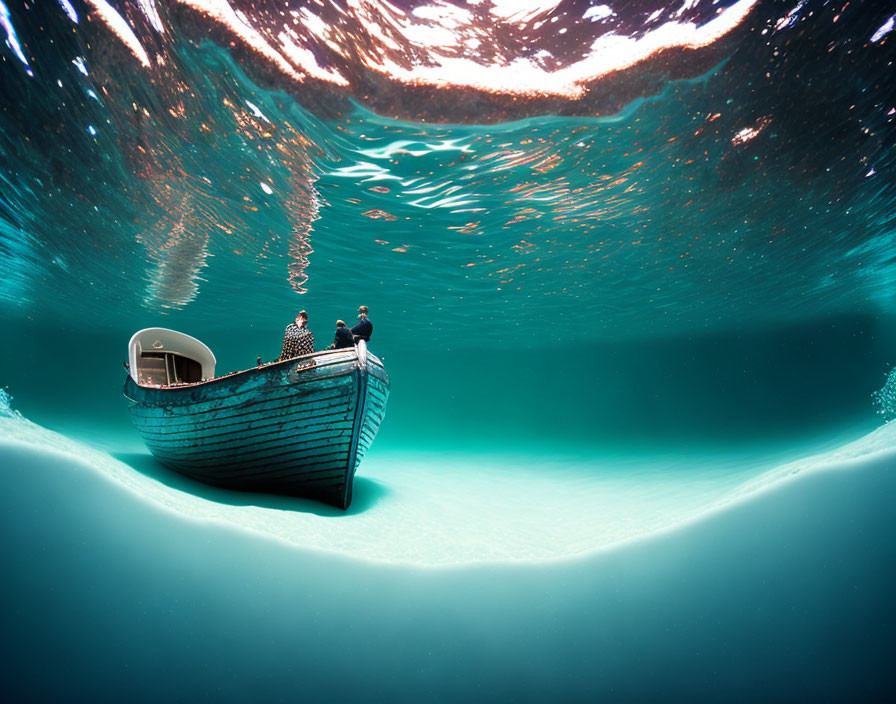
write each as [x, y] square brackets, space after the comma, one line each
[777, 585]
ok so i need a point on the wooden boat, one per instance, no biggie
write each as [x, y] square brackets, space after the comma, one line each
[297, 426]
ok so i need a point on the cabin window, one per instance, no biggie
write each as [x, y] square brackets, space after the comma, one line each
[165, 368]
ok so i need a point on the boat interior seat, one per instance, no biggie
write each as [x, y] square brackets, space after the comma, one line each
[165, 368]
[153, 369]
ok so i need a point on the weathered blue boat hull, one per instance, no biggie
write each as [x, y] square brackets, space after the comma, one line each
[299, 426]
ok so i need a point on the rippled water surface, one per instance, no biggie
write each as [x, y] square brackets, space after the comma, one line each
[694, 167]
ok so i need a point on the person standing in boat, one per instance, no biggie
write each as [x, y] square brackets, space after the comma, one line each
[363, 329]
[344, 337]
[297, 338]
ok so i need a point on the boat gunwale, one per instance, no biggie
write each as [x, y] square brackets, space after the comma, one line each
[351, 360]
[223, 438]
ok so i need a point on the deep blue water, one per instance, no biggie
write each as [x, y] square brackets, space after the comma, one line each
[631, 270]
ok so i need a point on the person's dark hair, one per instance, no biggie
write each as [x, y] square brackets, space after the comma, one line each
[340, 324]
[302, 314]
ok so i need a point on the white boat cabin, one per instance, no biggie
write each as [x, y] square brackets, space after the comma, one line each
[162, 357]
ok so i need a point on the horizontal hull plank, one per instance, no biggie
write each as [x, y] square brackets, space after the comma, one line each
[289, 413]
[334, 422]
[368, 432]
[286, 427]
[249, 452]
[283, 468]
[334, 436]
[331, 445]
[372, 423]
[319, 473]
[261, 404]
[290, 436]
[254, 397]
[376, 408]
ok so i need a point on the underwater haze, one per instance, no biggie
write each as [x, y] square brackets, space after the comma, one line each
[632, 272]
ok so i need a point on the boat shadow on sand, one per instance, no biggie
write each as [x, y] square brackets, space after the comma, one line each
[365, 493]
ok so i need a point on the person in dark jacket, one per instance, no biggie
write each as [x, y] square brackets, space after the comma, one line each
[344, 337]
[363, 329]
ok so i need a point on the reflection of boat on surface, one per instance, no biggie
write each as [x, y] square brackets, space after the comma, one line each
[299, 426]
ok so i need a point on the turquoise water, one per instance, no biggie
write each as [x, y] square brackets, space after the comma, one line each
[630, 268]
